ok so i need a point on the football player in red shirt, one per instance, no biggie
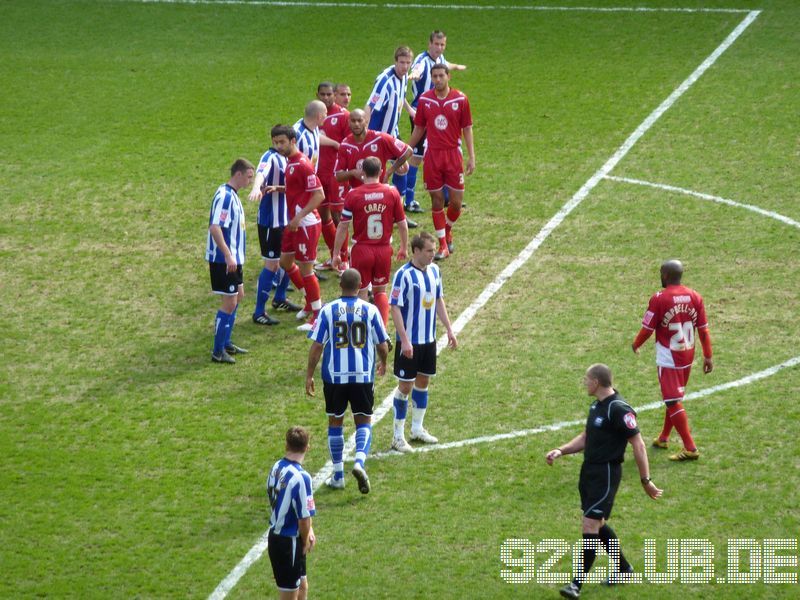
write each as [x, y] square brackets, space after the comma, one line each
[335, 127]
[443, 115]
[373, 208]
[299, 244]
[363, 142]
[674, 314]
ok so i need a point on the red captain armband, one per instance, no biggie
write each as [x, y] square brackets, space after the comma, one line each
[705, 341]
[642, 336]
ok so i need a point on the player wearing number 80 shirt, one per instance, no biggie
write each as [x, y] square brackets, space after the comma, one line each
[347, 333]
[674, 314]
[373, 208]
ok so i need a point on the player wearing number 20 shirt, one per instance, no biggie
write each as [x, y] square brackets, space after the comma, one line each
[674, 314]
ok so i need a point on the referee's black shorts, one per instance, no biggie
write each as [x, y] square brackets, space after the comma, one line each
[598, 485]
[269, 238]
[423, 361]
[288, 561]
[360, 396]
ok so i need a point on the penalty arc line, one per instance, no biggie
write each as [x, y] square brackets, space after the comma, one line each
[485, 439]
[702, 196]
[255, 553]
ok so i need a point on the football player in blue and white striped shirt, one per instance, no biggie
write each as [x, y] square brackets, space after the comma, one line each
[417, 299]
[421, 82]
[309, 137]
[225, 250]
[291, 500]
[347, 334]
[269, 187]
[386, 102]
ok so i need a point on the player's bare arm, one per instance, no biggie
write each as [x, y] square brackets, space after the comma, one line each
[640, 456]
[406, 349]
[216, 233]
[255, 193]
[416, 135]
[441, 312]
[383, 354]
[397, 164]
[455, 66]
[314, 354]
[470, 142]
[324, 140]
[306, 534]
[575, 445]
[338, 242]
[316, 199]
[402, 252]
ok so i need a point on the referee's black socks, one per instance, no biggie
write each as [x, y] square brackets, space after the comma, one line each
[589, 554]
[606, 535]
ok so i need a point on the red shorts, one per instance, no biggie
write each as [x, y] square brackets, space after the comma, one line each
[302, 243]
[443, 168]
[673, 382]
[374, 262]
[334, 192]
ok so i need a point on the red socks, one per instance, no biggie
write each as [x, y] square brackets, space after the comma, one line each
[329, 234]
[680, 421]
[439, 224]
[382, 302]
[313, 293]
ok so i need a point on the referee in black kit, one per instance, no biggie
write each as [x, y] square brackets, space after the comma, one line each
[611, 425]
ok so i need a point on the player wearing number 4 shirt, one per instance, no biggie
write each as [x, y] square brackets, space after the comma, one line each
[373, 208]
[346, 335]
[417, 299]
[299, 244]
[443, 115]
[674, 314]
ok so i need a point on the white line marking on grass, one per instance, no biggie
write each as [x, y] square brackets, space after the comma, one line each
[486, 439]
[601, 9]
[718, 199]
[466, 316]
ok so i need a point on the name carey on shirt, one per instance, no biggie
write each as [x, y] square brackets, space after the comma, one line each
[374, 207]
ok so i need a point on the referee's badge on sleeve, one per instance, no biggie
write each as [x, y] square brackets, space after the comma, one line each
[630, 420]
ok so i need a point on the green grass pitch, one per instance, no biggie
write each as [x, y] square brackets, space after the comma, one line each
[134, 468]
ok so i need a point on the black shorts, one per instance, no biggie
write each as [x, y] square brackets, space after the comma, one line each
[223, 282]
[270, 240]
[288, 561]
[598, 485]
[419, 149]
[423, 362]
[360, 396]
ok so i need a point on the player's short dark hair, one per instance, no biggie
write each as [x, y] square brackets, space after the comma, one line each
[601, 373]
[286, 130]
[339, 86]
[437, 33]
[418, 241]
[350, 281]
[371, 166]
[325, 84]
[241, 165]
[440, 67]
[403, 51]
[297, 439]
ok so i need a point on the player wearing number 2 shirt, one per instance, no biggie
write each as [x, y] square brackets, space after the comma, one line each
[443, 114]
[674, 314]
[373, 208]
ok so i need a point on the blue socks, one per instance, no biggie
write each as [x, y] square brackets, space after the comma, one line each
[283, 284]
[399, 181]
[411, 182]
[400, 410]
[231, 320]
[222, 329]
[419, 399]
[336, 448]
[263, 289]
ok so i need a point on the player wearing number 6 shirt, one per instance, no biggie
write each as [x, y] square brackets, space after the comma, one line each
[674, 314]
[299, 244]
[443, 114]
[373, 208]
[417, 299]
[346, 335]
